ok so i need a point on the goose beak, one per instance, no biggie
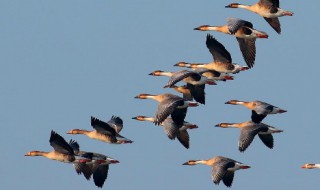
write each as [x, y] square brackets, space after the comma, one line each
[262, 35]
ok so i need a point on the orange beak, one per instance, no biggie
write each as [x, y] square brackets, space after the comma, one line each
[228, 77]
[193, 104]
[245, 167]
[288, 13]
[262, 35]
[244, 68]
[211, 82]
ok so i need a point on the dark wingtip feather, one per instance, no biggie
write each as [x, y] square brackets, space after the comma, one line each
[117, 119]
[241, 149]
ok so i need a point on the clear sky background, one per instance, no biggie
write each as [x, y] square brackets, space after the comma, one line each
[65, 60]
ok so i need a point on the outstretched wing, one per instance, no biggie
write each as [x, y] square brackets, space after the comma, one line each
[100, 174]
[257, 118]
[165, 108]
[59, 144]
[116, 123]
[178, 115]
[74, 145]
[248, 50]
[219, 171]
[267, 139]
[274, 23]
[197, 91]
[228, 178]
[247, 135]
[183, 138]
[102, 127]
[218, 51]
[83, 168]
[170, 128]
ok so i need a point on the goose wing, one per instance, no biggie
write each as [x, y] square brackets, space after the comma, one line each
[218, 51]
[234, 24]
[183, 137]
[257, 118]
[274, 23]
[83, 168]
[248, 50]
[170, 128]
[228, 178]
[102, 127]
[165, 108]
[100, 174]
[59, 144]
[219, 171]
[180, 75]
[178, 115]
[116, 123]
[267, 139]
[197, 91]
[247, 135]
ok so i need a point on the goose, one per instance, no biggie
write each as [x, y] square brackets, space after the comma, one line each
[195, 82]
[310, 166]
[172, 129]
[249, 129]
[245, 34]
[268, 9]
[62, 152]
[104, 131]
[222, 61]
[169, 104]
[223, 168]
[190, 77]
[259, 109]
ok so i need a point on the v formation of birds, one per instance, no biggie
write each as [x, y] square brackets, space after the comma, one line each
[172, 109]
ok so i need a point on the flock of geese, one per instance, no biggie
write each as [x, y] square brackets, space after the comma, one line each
[172, 109]
[87, 163]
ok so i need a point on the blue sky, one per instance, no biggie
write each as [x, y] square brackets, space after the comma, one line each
[63, 61]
